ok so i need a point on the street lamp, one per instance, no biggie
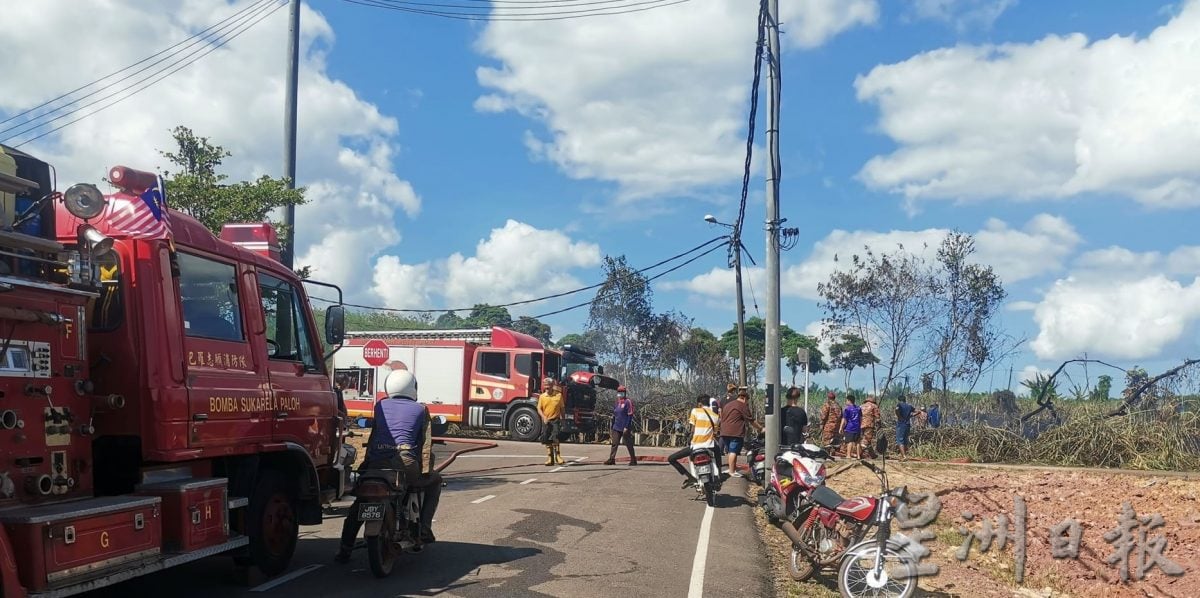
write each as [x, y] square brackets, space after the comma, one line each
[735, 245]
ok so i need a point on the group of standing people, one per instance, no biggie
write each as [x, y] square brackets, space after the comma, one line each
[857, 426]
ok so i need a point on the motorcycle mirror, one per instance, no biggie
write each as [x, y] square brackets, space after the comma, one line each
[881, 445]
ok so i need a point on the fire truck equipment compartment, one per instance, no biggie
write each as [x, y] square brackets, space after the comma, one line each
[195, 512]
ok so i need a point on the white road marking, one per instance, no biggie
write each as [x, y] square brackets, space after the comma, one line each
[578, 460]
[529, 481]
[479, 500]
[286, 578]
[558, 469]
[696, 590]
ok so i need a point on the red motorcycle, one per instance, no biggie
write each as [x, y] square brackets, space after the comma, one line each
[836, 529]
[797, 471]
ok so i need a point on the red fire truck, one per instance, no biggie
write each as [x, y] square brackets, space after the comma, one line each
[487, 378]
[165, 399]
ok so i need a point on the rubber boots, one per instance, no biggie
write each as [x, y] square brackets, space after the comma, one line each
[558, 460]
[549, 454]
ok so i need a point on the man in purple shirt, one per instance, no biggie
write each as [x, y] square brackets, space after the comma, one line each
[622, 427]
[852, 428]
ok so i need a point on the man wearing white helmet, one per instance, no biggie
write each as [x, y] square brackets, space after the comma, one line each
[401, 438]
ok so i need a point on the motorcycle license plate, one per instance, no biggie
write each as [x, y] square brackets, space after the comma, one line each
[703, 469]
[370, 512]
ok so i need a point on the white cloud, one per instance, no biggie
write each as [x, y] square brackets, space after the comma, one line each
[1132, 319]
[653, 101]
[516, 262]
[234, 96]
[963, 14]
[1055, 118]
[1015, 254]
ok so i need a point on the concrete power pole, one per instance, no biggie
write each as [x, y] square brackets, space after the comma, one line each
[774, 396]
[741, 309]
[287, 253]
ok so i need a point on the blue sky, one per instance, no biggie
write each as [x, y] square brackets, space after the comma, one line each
[451, 162]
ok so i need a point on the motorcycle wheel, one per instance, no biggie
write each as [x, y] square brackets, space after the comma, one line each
[710, 497]
[856, 575]
[381, 548]
[800, 567]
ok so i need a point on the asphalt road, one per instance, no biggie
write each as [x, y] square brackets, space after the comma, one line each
[510, 526]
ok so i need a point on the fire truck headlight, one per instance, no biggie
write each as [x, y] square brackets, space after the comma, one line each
[96, 240]
[84, 200]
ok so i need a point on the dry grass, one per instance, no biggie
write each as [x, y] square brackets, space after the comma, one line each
[1085, 439]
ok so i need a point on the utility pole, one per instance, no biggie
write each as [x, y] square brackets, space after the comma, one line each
[735, 260]
[773, 223]
[736, 247]
[289, 130]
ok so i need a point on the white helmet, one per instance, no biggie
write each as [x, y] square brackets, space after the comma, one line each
[401, 383]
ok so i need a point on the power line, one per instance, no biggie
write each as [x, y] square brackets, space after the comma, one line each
[758, 55]
[542, 16]
[121, 70]
[537, 299]
[153, 78]
[656, 276]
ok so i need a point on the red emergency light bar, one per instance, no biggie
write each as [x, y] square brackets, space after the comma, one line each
[258, 237]
[132, 180]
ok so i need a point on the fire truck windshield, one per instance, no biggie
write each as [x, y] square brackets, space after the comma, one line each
[571, 368]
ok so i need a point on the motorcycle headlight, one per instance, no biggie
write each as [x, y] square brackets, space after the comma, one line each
[813, 480]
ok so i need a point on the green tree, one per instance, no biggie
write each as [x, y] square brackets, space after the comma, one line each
[1103, 388]
[367, 321]
[575, 339]
[199, 189]
[851, 353]
[485, 316]
[756, 343]
[449, 321]
[533, 327]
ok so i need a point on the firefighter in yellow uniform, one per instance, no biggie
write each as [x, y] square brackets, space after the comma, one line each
[551, 408]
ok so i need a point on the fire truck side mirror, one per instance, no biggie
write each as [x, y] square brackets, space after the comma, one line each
[335, 324]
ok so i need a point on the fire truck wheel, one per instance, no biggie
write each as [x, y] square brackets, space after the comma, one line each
[272, 524]
[524, 424]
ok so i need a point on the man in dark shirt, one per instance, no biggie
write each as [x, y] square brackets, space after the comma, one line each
[622, 427]
[794, 419]
[734, 418]
[400, 438]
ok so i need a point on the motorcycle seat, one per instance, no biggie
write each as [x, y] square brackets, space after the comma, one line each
[826, 497]
[394, 478]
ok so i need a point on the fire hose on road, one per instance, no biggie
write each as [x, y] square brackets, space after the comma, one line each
[477, 445]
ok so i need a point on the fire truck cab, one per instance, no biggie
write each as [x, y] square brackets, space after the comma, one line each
[168, 397]
[487, 378]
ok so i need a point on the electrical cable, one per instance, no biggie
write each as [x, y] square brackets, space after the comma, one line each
[543, 16]
[656, 276]
[527, 301]
[153, 79]
[758, 56]
[119, 71]
[505, 5]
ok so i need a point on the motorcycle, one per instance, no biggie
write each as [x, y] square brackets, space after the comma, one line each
[796, 472]
[391, 516]
[707, 472]
[758, 460]
[837, 530]
[881, 566]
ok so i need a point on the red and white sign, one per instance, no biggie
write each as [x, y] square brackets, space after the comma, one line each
[376, 352]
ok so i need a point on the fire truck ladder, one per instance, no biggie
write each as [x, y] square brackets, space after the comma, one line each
[476, 335]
